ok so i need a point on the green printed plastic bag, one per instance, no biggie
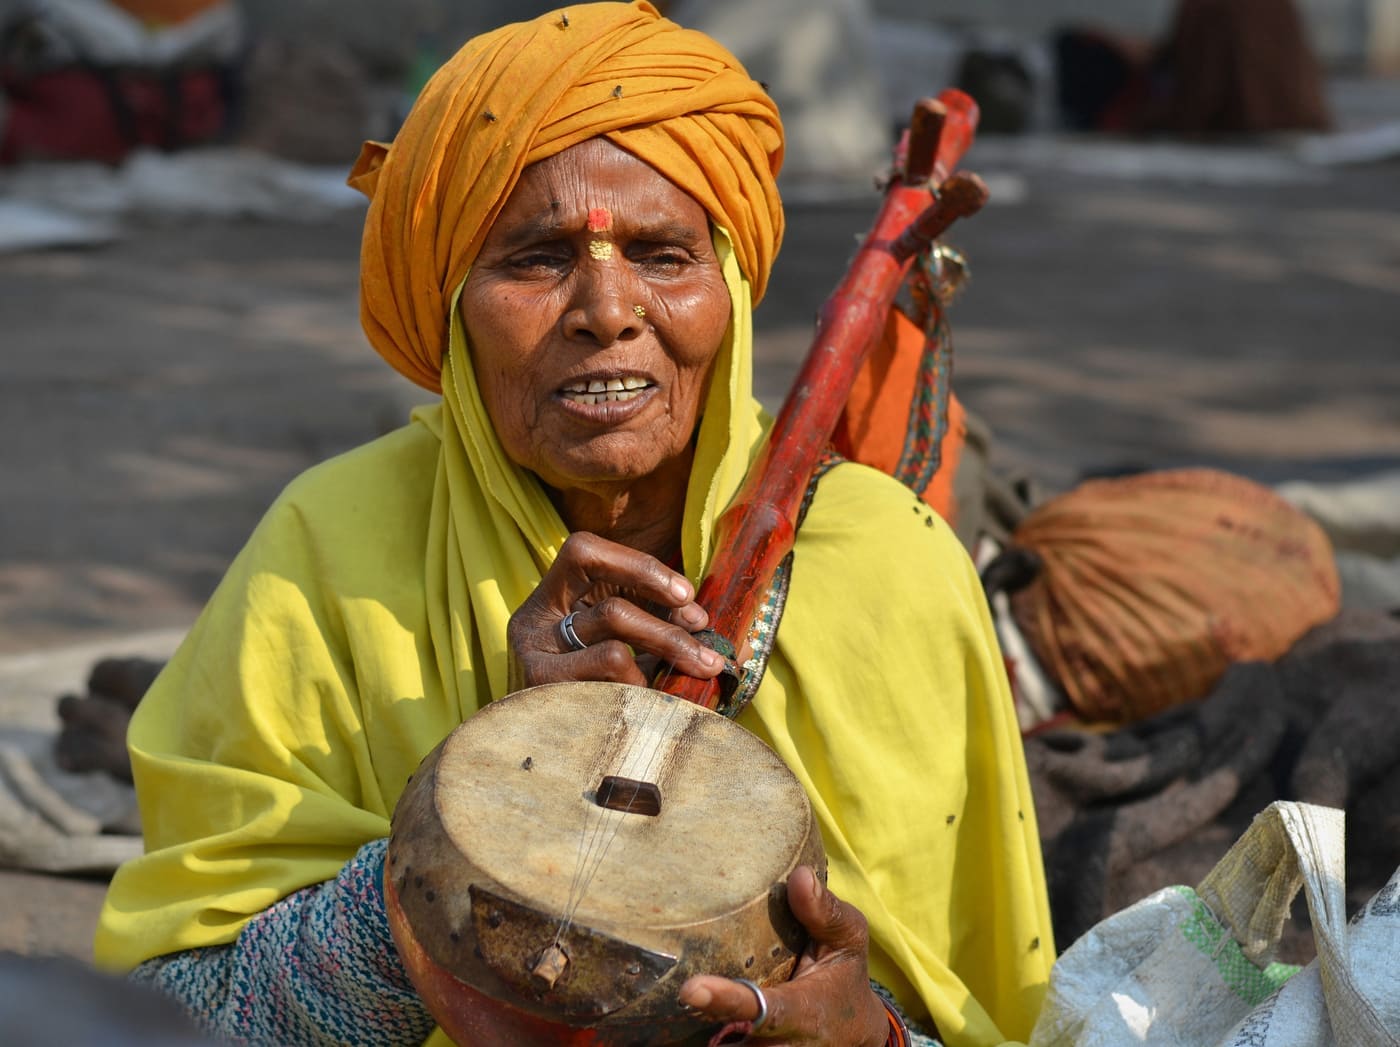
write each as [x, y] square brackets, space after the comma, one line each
[1193, 968]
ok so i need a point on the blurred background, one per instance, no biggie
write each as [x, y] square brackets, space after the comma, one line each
[1192, 256]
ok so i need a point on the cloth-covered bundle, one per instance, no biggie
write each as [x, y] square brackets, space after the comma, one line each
[87, 80]
[1238, 66]
[1152, 585]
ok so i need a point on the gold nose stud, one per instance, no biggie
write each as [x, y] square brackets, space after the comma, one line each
[641, 313]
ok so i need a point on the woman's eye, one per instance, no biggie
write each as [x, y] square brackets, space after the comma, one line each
[540, 260]
[662, 256]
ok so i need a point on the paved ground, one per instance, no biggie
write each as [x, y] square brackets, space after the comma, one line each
[159, 391]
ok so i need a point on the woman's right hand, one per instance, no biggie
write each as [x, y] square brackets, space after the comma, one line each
[627, 606]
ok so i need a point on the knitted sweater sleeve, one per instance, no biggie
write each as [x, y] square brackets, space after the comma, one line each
[319, 967]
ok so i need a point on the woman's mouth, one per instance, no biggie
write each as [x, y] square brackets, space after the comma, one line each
[612, 390]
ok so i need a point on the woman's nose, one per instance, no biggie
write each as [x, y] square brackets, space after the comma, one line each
[605, 306]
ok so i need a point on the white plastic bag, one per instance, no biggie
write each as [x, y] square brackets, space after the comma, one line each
[1187, 968]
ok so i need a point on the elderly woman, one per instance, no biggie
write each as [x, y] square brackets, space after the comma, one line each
[566, 239]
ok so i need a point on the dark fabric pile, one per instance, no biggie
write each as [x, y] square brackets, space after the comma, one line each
[93, 736]
[1125, 813]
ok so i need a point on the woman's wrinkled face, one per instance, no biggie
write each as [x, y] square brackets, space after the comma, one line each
[595, 311]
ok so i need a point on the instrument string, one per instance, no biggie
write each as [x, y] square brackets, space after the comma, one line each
[598, 841]
[595, 839]
[599, 832]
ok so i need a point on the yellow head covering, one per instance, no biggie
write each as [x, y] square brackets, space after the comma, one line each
[670, 96]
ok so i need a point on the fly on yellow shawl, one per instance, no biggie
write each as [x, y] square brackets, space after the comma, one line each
[367, 615]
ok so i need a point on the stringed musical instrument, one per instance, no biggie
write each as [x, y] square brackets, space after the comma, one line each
[569, 855]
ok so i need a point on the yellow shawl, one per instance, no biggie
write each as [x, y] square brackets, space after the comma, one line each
[366, 618]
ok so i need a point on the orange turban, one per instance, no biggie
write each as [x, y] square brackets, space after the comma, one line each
[670, 96]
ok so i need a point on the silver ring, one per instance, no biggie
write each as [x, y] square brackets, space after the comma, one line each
[567, 634]
[757, 1023]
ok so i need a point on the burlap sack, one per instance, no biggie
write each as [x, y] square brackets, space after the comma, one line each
[1153, 584]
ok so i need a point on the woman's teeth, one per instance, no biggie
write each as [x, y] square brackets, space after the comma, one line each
[614, 390]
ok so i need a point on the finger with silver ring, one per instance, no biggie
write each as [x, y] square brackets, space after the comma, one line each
[762, 1015]
[568, 635]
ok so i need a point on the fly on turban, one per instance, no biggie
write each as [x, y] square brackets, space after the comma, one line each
[670, 96]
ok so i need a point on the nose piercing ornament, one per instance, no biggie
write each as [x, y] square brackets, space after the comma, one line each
[641, 313]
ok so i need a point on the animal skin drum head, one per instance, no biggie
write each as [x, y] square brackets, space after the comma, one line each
[517, 786]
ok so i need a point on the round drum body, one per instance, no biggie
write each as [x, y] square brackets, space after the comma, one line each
[566, 858]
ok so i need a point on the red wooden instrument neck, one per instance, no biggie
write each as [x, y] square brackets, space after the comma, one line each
[757, 530]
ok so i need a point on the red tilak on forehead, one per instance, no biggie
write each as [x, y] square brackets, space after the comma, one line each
[599, 220]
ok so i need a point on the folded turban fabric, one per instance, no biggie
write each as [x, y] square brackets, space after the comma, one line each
[670, 96]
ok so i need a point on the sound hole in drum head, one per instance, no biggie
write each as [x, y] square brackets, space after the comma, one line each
[515, 794]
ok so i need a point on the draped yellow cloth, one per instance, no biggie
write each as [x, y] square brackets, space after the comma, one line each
[367, 615]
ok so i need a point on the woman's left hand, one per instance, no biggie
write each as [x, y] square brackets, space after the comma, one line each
[829, 1001]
